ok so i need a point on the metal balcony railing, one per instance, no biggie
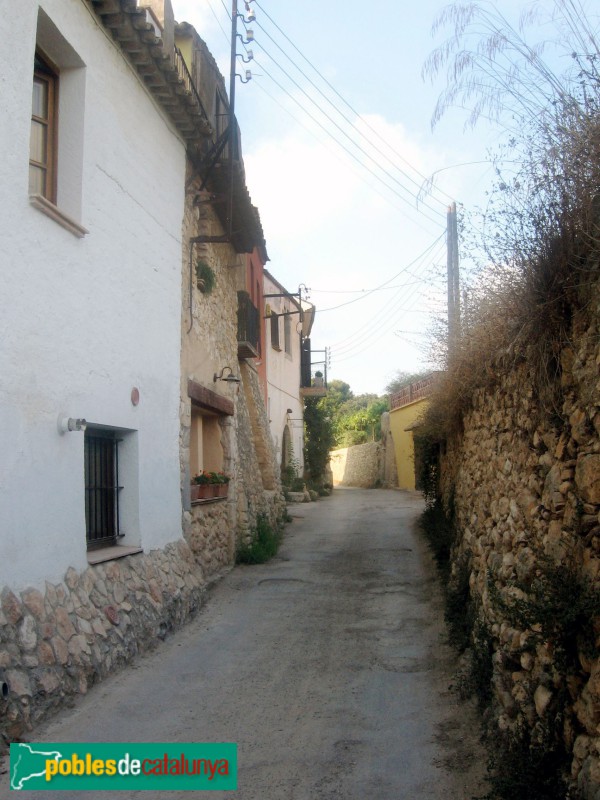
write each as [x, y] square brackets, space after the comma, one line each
[313, 374]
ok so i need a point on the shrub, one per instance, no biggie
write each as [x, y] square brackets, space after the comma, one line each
[263, 544]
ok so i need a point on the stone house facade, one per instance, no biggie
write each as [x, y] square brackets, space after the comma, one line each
[110, 350]
[223, 418]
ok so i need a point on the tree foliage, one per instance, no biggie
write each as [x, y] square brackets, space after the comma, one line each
[318, 439]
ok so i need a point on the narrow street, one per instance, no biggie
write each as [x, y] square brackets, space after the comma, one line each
[327, 666]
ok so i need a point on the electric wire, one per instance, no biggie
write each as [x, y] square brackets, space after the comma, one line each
[414, 207]
[359, 147]
[359, 350]
[388, 314]
[385, 283]
[352, 155]
[363, 291]
[333, 149]
[351, 122]
[346, 103]
[350, 350]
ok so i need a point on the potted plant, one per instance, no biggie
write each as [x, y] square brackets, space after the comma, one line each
[201, 487]
[205, 277]
[318, 378]
[209, 484]
[221, 483]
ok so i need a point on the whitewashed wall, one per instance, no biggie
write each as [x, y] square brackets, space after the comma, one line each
[283, 379]
[85, 320]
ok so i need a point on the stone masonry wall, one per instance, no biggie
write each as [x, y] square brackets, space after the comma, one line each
[361, 465]
[58, 642]
[525, 487]
[259, 482]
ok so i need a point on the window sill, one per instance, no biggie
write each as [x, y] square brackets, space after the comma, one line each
[50, 210]
[111, 553]
[207, 500]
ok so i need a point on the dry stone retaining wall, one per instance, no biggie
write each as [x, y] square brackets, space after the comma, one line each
[524, 484]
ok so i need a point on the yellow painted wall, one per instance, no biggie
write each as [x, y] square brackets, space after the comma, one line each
[184, 43]
[401, 418]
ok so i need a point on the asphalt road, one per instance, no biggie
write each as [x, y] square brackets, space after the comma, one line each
[327, 666]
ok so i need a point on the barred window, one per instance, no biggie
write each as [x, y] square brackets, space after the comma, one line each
[101, 488]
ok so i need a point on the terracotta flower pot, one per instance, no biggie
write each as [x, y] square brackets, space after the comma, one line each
[201, 491]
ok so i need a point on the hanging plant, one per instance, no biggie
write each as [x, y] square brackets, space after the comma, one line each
[205, 277]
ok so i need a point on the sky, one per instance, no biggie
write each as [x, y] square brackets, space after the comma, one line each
[337, 146]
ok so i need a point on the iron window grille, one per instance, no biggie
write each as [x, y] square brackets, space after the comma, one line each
[101, 488]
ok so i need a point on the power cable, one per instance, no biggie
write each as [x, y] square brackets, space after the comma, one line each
[350, 153]
[359, 147]
[346, 103]
[385, 283]
[357, 339]
[347, 119]
[387, 315]
[332, 149]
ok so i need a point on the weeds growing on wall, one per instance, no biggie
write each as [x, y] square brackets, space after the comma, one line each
[439, 532]
[522, 769]
[533, 253]
[557, 608]
[560, 607]
[427, 464]
[263, 544]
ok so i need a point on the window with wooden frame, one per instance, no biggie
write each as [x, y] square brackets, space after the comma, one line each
[287, 332]
[44, 117]
[275, 331]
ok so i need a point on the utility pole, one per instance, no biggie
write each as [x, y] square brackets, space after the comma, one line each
[453, 277]
[232, 126]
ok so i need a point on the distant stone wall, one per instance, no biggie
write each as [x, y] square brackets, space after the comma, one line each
[524, 484]
[57, 643]
[361, 465]
[390, 469]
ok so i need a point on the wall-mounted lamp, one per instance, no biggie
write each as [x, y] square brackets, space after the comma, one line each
[248, 76]
[289, 411]
[231, 378]
[250, 55]
[66, 424]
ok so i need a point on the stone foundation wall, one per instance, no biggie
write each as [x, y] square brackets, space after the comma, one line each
[210, 535]
[58, 642]
[524, 484]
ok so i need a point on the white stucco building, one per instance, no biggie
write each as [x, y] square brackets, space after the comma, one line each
[283, 355]
[91, 197]
[116, 367]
